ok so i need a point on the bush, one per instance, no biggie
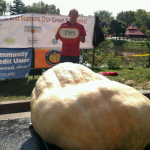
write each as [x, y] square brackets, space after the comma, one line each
[119, 42]
[86, 57]
[113, 62]
[144, 62]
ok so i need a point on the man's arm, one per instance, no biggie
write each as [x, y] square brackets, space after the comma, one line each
[82, 34]
[82, 38]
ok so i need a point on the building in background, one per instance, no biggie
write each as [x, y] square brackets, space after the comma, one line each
[132, 32]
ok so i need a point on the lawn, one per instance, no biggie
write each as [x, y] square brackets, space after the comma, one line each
[17, 89]
[139, 78]
[20, 89]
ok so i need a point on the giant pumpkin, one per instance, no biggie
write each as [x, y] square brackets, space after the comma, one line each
[76, 109]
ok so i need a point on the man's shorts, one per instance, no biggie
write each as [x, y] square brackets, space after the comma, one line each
[73, 59]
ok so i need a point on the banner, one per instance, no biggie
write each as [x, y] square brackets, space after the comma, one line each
[14, 31]
[38, 31]
[46, 58]
[15, 63]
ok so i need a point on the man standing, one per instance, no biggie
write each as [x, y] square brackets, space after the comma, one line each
[71, 52]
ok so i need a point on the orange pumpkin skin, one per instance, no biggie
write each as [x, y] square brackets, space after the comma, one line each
[75, 108]
[68, 40]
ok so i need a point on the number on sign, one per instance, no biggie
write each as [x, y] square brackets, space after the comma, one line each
[69, 32]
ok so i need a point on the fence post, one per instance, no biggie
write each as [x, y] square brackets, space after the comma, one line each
[33, 46]
[93, 58]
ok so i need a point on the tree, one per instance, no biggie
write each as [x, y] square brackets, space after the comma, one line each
[86, 57]
[148, 43]
[53, 10]
[143, 29]
[138, 23]
[139, 12]
[17, 8]
[3, 7]
[138, 18]
[42, 8]
[148, 22]
[142, 18]
[121, 16]
[104, 24]
[117, 27]
[128, 17]
[105, 17]
[105, 30]
[81, 15]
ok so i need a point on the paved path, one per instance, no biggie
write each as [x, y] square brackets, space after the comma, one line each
[16, 135]
[11, 116]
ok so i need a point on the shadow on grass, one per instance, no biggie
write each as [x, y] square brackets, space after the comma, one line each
[18, 87]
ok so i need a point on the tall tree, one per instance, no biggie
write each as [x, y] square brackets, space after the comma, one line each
[17, 8]
[81, 15]
[3, 7]
[36, 8]
[121, 16]
[128, 17]
[42, 8]
[143, 29]
[138, 23]
[139, 12]
[53, 10]
[142, 18]
[148, 22]
[104, 16]
[117, 27]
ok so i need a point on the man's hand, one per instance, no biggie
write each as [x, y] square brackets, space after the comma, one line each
[82, 39]
[56, 36]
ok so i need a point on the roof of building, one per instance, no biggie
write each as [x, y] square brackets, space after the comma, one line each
[128, 32]
[132, 30]
[132, 27]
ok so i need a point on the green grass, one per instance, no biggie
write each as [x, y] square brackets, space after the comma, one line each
[139, 78]
[17, 89]
[21, 89]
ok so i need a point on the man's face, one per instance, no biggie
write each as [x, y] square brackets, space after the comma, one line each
[73, 15]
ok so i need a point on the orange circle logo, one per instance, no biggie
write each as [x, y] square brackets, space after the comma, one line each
[32, 31]
[53, 57]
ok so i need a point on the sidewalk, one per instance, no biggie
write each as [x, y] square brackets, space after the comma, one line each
[12, 116]
[16, 134]
[14, 106]
[10, 110]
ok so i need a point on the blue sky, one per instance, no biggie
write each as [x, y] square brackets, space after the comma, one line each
[88, 7]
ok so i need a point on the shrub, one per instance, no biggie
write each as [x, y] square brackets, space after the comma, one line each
[144, 62]
[113, 61]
